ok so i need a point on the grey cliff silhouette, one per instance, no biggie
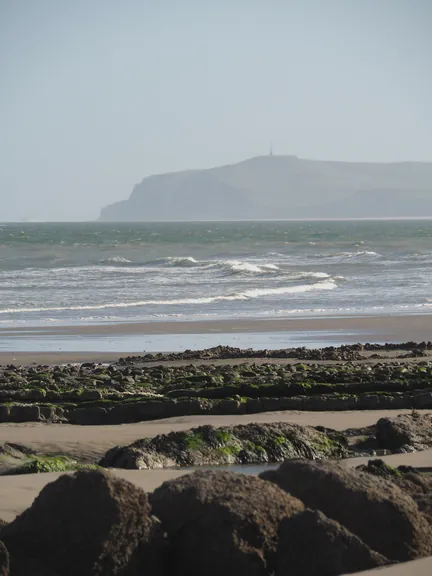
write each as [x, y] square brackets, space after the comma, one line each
[281, 187]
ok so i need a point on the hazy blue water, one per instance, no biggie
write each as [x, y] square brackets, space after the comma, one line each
[94, 272]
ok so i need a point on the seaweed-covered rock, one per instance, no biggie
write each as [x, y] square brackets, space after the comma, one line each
[379, 468]
[90, 523]
[243, 444]
[222, 523]
[335, 549]
[13, 455]
[377, 511]
[417, 484]
[4, 560]
[38, 464]
[405, 432]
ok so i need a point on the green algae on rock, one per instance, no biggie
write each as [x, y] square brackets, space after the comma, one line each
[243, 444]
[133, 390]
[18, 459]
[41, 464]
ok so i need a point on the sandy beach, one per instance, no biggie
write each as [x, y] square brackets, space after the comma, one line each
[89, 443]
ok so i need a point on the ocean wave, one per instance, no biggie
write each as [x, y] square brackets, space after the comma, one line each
[358, 254]
[115, 260]
[257, 292]
[301, 275]
[181, 261]
[239, 267]
[349, 256]
[246, 295]
[424, 257]
[227, 266]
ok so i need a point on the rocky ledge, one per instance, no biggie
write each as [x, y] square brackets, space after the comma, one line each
[218, 522]
[244, 444]
[270, 443]
[338, 353]
[136, 389]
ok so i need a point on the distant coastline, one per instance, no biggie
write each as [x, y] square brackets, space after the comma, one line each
[281, 188]
[98, 221]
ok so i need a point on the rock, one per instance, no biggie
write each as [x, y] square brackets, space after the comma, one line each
[149, 410]
[89, 395]
[274, 404]
[88, 416]
[4, 560]
[4, 413]
[422, 400]
[221, 523]
[254, 406]
[405, 432]
[417, 485]
[243, 444]
[24, 413]
[368, 402]
[335, 549]
[229, 406]
[375, 510]
[91, 524]
[12, 455]
[379, 468]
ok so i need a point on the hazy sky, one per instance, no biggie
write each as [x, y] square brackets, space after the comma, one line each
[97, 94]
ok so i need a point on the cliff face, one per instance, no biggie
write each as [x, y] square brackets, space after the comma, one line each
[281, 187]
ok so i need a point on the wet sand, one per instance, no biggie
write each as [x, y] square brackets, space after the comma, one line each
[106, 342]
[394, 328]
[52, 358]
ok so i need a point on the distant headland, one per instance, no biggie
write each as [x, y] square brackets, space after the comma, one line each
[281, 187]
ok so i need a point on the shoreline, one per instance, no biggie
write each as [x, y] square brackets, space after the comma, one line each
[372, 325]
[107, 342]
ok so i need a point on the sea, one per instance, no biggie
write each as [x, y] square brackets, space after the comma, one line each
[94, 273]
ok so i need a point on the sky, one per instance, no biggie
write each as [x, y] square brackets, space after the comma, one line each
[97, 94]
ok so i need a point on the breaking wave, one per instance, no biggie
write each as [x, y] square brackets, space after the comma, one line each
[239, 267]
[115, 260]
[246, 295]
[181, 261]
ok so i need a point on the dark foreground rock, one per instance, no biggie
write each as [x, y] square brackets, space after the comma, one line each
[405, 432]
[417, 484]
[377, 511]
[220, 523]
[244, 444]
[91, 523]
[4, 560]
[310, 544]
